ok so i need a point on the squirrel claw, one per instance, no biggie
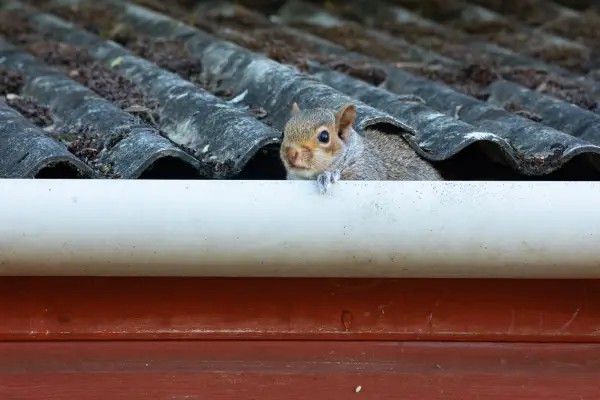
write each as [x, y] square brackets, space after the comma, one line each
[327, 178]
[324, 182]
[335, 176]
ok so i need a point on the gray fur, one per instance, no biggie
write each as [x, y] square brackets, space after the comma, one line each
[396, 160]
[381, 157]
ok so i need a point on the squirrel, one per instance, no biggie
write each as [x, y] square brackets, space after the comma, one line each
[321, 144]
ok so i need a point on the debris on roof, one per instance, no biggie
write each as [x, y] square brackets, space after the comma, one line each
[117, 89]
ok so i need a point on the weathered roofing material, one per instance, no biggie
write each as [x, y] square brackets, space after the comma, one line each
[26, 151]
[528, 146]
[263, 81]
[223, 139]
[307, 15]
[222, 136]
[130, 146]
[438, 96]
[556, 113]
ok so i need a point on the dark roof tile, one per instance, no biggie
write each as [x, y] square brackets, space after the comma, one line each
[222, 136]
[86, 118]
[525, 118]
[26, 151]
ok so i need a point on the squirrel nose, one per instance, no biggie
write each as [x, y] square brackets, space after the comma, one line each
[292, 155]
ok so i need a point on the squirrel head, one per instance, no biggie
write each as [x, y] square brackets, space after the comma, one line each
[316, 138]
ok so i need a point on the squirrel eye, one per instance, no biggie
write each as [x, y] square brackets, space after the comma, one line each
[323, 137]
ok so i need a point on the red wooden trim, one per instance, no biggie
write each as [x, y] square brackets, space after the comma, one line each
[297, 370]
[383, 309]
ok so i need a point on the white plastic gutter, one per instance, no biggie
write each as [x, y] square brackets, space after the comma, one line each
[286, 229]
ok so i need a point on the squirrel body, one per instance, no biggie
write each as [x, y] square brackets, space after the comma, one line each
[321, 144]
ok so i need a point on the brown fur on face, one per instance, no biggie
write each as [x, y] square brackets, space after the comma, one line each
[301, 151]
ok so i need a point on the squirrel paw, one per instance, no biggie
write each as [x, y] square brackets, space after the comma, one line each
[325, 180]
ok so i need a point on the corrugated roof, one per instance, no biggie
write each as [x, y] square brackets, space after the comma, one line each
[114, 89]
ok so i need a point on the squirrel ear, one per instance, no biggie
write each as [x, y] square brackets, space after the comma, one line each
[295, 108]
[344, 119]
